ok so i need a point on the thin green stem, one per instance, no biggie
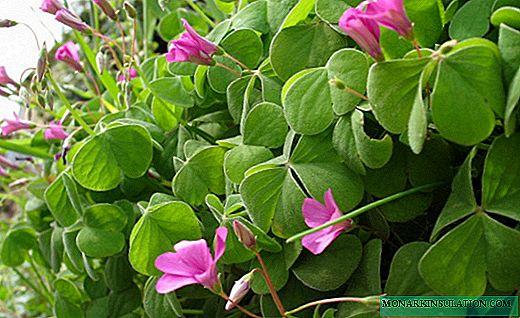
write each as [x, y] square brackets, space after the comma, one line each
[69, 107]
[327, 301]
[193, 311]
[197, 9]
[229, 69]
[364, 209]
[30, 284]
[234, 59]
[145, 28]
[40, 280]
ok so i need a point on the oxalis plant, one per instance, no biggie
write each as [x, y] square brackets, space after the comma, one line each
[264, 158]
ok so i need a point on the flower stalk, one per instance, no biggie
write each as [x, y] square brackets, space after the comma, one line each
[364, 209]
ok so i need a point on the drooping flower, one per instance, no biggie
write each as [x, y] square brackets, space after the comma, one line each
[239, 290]
[390, 14]
[316, 214]
[70, 19]
[55, 131]
[12, 125]
[191, 47]
[69, 54]
[107, 9]
[363, 30]
[4, 78]
[130, 74]
[51, 6]
[191, 263]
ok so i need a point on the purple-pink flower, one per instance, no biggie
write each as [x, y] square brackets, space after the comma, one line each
[12, 125]
[191, 47]
[51, 6]
[316, 214]
[69, 54]
[191, 263]
[363, 30]
[4, 78]
[55, 131]
[131, 74]
[70, 19]
[390, 14]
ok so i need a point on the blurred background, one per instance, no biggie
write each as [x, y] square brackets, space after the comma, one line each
[18, 47]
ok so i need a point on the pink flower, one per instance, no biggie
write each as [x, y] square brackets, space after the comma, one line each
[70, 19]
[363, 30]
[55, 131]
[191, 263]
[132, 73]
[316, 214]
[12, 125]
[390, 14]
[3, 173]
[4, 78]
[69, 54]
[191, 47]
[51, 6]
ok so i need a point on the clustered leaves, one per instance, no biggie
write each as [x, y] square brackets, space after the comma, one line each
[383, 133]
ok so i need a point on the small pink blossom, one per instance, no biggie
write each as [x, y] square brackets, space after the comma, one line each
[4, 78]
[390, 14]
[69, 54]
[70, 19]
[131, 74]
[191, 47]
[12, 125]
[51, 6]
[363, 30]
[191, 263]
[55, 131]
[316, 214]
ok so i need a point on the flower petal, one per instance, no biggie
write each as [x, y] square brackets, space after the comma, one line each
[220, 242]
[315, 213]
[317, 242]
[168, 283]
[171, 263]
[194, 254]
[329, 201]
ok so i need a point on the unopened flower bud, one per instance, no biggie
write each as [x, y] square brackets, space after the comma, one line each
[244, 234]
[107, 9]
[70, 19]
[41, 67]
[130, 10]
[3, 93]
[6, 23]
[24, 94]
[101, 62]
[239, 290]
[338, 83]
[447, 46]
[163, 4]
